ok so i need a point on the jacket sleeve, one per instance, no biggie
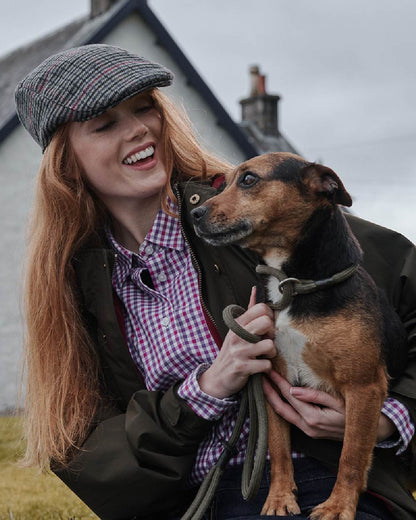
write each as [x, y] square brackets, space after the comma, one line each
[136, 464]
[405, 388]
[391, 260]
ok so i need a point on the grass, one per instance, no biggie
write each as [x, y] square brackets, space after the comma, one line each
[25, 494]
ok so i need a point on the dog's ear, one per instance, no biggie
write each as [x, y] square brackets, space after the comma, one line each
[322, 179]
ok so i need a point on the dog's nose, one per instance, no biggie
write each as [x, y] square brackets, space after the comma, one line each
[199, 212]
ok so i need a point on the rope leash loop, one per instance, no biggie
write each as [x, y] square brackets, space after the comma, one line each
[229, 314]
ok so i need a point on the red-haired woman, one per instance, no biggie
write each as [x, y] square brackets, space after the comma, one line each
[133, 379]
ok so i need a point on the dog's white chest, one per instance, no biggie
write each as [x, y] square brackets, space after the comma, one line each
[290, 342]
[291, 345]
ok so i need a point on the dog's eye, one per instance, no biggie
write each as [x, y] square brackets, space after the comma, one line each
[248, 179]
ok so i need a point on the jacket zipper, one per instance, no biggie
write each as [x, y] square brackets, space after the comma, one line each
[193, 256]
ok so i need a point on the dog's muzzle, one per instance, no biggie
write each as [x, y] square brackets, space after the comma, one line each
[199, 217]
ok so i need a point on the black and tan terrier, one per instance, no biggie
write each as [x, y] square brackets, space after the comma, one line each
[334, 330]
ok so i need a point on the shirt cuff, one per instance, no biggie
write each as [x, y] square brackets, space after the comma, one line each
[204, 405]
[399, 415]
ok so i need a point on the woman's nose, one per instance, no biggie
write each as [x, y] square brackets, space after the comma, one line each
[135, 127]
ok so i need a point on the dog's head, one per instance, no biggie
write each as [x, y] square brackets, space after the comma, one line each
[267, 201]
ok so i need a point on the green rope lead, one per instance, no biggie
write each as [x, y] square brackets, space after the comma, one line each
[253, 404]
[258, 438]
[258, 434]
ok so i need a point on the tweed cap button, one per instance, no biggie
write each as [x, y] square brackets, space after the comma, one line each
[194, 199]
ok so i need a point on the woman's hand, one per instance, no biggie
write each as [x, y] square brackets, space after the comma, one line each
[238, 359]
[316, 413]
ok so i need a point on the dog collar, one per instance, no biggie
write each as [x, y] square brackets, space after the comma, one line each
[290, 287]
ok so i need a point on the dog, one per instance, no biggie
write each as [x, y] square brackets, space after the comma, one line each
[330, 331]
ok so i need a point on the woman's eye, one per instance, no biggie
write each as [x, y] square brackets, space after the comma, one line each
[143, 108]
[105, 126]
[248, 179]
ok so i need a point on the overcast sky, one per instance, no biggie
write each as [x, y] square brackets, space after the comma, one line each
[346, 71]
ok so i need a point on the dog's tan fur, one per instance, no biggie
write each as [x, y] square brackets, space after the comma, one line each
[276, 212]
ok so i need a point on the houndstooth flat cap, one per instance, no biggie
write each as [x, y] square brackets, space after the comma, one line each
[81, 83]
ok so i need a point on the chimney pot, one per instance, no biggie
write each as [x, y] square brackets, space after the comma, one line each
[261, 84]
[254, 79]
[260, 108]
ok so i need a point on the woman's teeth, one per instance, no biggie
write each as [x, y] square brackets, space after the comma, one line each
[143, 154]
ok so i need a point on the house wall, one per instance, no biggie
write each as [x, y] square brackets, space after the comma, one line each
[19, 161]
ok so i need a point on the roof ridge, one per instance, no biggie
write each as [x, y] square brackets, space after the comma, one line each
[49, 36]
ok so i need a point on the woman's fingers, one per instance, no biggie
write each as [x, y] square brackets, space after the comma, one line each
[301, 397]
[261, 325]
[258, 319]
[317, 413]
[280, 406]
[310, 395]
[243, 352]
[253, 312]
[253, 297]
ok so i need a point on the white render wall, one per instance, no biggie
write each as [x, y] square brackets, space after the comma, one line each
[19, 162]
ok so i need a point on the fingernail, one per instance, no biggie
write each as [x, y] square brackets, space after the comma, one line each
[295, 391]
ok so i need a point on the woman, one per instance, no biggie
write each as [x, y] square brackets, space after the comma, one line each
[129, 397]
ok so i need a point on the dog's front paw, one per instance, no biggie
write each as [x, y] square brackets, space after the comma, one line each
[280, 505]
[331, 510]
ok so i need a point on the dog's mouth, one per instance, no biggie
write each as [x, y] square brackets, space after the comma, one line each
[223, 237]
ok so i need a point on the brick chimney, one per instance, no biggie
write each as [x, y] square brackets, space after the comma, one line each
[260, 108]
[100, 6]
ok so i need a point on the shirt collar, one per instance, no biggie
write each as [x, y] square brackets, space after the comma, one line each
[166, 230]
[165, 233]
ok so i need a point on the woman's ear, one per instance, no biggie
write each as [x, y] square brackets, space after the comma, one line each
[322, 180]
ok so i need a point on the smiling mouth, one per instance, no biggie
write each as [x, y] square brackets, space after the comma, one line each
[140, 156]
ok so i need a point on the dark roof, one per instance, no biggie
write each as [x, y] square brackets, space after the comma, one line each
[266, 143]
[16, 65]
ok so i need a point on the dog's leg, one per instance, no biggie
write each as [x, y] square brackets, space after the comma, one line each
[281, 499]
[363, 405]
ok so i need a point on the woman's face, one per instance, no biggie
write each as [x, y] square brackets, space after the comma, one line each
[120, 155]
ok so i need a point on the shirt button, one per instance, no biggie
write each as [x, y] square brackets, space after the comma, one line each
[162, 277]
[148, 250]
[165, 321]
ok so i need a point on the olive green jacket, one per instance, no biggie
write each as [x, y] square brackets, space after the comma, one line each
[136, 461]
